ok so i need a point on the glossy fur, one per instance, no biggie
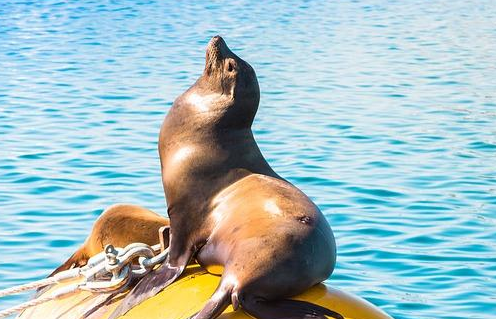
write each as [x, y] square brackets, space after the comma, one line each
[119, 225]
[228, 208]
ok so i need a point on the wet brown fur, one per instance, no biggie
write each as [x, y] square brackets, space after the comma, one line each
[228, 208]
[119, 225]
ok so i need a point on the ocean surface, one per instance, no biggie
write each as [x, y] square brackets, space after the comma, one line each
[383, 112]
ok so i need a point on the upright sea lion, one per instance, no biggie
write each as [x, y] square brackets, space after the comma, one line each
[119, 225]
[229, 209]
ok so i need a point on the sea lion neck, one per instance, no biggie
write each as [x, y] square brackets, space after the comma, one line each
[205, 109]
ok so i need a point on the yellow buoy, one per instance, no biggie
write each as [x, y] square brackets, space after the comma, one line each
[187, 296]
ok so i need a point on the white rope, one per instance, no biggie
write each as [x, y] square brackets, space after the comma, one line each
[63, 275]
[38, 301]
[28, 286]
[113, 261]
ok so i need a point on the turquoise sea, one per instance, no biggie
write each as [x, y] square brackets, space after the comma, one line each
[383, 112]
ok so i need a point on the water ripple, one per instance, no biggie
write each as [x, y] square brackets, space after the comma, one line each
[383, 113]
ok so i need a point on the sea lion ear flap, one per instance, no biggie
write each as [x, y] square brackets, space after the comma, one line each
[164, 235]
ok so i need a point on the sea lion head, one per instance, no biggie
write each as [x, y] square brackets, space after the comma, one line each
[228, 88]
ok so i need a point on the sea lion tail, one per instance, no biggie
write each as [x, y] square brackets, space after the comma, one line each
[287, 308]
[78, 259]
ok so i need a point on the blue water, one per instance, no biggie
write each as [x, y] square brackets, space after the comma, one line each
[383, 112]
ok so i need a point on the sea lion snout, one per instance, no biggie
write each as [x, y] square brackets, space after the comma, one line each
[233, 79]
[215, 42]
[219, 58]
[217, 49]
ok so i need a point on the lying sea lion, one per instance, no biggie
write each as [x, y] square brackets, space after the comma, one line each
[229, 209]
[119, 225]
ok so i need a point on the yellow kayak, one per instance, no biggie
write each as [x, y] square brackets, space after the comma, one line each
[187, 296]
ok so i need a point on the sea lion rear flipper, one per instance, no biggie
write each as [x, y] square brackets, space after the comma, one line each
[148, 287]
[217, 303]
[286, 309]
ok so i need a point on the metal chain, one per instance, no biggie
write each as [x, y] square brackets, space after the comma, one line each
[113, 261]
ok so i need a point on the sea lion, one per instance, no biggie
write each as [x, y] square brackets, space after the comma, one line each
[229, 209]
[119, 225]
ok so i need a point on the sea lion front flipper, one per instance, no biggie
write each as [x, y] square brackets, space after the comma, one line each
[148, 287]
[286, 309]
